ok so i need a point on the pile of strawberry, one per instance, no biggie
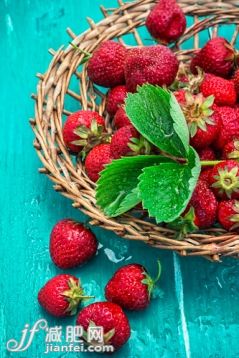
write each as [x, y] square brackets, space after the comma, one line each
[207, 90]
[130, 288]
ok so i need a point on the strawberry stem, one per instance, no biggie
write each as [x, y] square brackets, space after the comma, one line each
[206, 163]
[159, 272]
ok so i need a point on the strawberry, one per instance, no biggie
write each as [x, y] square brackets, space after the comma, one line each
[236, 81]
[180, 96]
[205, 174]
[228, 214]
[115, 99]
[71, 244]
[96, 160]
[82, 128]
[223, 90]
[109, 316]
[202, 119]
[127, 140]
[131, 287]
[156, 65]
[207, 154]
[121, 119]
[216, 57]
[229, 126]
[204, 203]
[61, 295]
[224, 180]
[106, 66]
[166, 22]
[231, 150]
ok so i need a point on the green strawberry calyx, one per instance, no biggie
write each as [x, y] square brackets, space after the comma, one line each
[235, 153]
[87, 55]
[139, 146]
[74, 296]
[149, 281]
[90, 137]
[184, 224]
[227, 181]
[235, 217]
[106, 337]
[198, 112]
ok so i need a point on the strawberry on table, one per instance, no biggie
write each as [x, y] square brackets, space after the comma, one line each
[61, 295]
[224, 180]
[81, 129]
[156, 65]
[131, 287]
[115, 98]
[111, 317]
[223, 90]
[106, 66]
[166, 22]
[96, 160]
[216, 57]
[71, 244]
[228, 214]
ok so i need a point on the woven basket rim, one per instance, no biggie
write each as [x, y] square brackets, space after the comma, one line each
[54, 86]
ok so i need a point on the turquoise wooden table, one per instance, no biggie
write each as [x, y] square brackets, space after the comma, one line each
[197, 314]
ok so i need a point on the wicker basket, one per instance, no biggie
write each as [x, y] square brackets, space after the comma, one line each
[55, 93]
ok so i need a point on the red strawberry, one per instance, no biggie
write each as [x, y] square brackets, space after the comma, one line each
[81, 128]
[121, 119]
[236, 81]
[109, 316]
[205, 205]
[216, 57]
[115, 99]
[71, 244]
[180, 96]
[207, 154]
[228, 214]
[156, 65]
[131, 287]
[166, 21]
[205, 174]
[231, 150]
[224, 180]
[96, 160]
[223, 90]
[202, 119]
[121, 141]
[229, 126]
[106, 66]
[61, 295]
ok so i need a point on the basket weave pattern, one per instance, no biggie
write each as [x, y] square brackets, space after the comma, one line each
[54, 94]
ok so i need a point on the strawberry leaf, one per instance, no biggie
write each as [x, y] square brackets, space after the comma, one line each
[156, 114]
[167, 188]
[117, 190]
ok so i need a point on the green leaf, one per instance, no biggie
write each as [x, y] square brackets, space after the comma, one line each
[117, 190]
[156, 114]
[167, 188]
